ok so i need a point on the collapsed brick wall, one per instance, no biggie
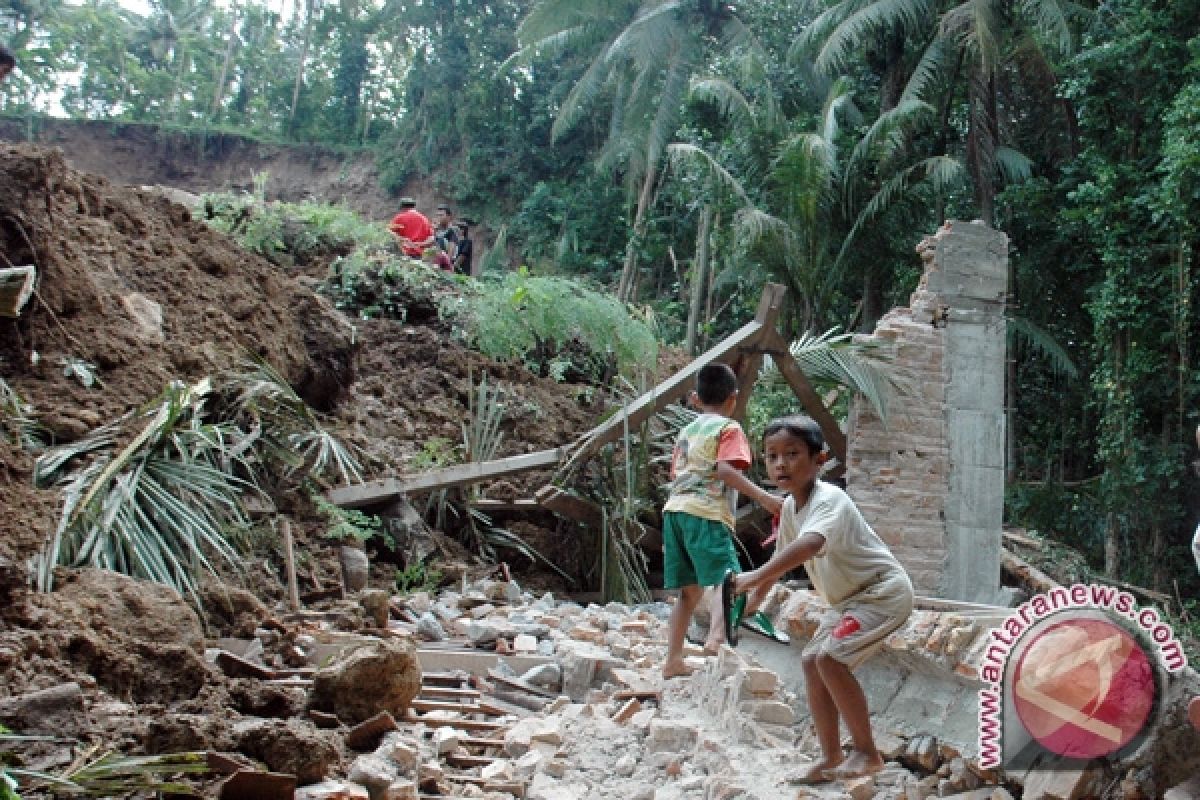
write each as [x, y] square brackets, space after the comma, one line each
[930, 481]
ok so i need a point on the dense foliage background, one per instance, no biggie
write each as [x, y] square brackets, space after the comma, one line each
[683, 152]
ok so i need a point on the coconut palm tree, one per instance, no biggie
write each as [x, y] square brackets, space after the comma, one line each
[964, 47]
[641, 55]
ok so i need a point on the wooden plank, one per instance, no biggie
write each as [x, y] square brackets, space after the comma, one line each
[467, 762]
[807, 395]
[660, 396]
[289, 562]
[569, 505]
[373, 493]
[438, 705]
[517, 683]
[461, 724]
[445, 691]
[750, 364]
[493, 506]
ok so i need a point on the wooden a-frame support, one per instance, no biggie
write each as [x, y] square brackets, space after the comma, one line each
[743, 350]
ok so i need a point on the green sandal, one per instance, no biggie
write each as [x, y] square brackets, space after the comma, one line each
[761, 624]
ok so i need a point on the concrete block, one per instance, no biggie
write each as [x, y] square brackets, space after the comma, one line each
[667, 736]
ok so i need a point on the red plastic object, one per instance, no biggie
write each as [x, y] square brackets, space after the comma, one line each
[849, 625]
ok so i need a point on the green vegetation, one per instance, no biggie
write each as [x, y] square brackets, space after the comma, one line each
[351, 525]
[290, 233]
[558, 327]
[158, 494]
[417, 577]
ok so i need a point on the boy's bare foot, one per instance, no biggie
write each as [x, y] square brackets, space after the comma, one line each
[712, 648]
[858, 764]
[820, 772]
[679, 670]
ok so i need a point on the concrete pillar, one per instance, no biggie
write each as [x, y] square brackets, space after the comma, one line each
[932, 481]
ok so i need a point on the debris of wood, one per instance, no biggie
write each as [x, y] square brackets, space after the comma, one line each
[366, 735]
[374, 493]
[16, 287]
[255, 785]
[238, 667]
[518, 683]
[1024, 573]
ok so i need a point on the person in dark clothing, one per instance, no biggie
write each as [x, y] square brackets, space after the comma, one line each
[465, 250]
[8, 62]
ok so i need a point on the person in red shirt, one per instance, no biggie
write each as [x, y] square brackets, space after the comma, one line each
[412, 228]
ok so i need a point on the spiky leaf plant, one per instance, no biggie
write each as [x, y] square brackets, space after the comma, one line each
[160, 507]
[17, 422]
[832, 360]
[285, 431]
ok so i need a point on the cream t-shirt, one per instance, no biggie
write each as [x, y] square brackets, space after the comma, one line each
[854, 567]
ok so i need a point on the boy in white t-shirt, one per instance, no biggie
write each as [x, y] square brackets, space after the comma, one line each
[868, 592]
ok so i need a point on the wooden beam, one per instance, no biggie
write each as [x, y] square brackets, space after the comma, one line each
[750, 364]
[569, 505]
[813, 405]
[670, 390]
[374, 493]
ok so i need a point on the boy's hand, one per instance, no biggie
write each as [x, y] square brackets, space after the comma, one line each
[772, 503]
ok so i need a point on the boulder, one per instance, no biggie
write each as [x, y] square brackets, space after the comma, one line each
[382, 675]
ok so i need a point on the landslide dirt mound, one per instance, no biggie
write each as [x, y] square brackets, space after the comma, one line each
[130, 284]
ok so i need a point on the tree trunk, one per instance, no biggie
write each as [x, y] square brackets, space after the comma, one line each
[231, 39]
[699, 278]
[981, 142]
[625, 288]
[308, 23]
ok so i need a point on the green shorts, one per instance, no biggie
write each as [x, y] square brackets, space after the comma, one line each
[696, 551]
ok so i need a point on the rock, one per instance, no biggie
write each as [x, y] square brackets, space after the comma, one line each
[447, 740]
[375, 605]
[429, 629]
[291, 746]
[401, 750]
[355, 568]
[1058, 782]
[1189, 790]
[548, 676]
[49, 711]
[382, 675]
[332, 790]
[625, 765]
[401, 790]
[666, 736]
[373, 772]
[921, 753]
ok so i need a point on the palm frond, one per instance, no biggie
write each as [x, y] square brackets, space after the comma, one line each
[932, 67]
[1023, 331]
[902, 16]
[1012, 165]
[820, 29]
[728, 99]
[682, 153]
[842, 360]
[156, 509]
[940, 172]
[1052, 20]
[886, 136]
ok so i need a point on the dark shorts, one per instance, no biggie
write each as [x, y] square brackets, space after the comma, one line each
[696, 551]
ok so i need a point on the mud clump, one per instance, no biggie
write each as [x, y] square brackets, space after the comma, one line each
[383, 676]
